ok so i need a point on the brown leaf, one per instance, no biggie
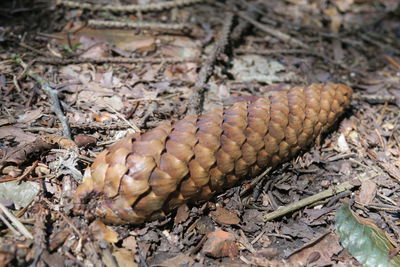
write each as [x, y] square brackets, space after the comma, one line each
[21, 153]
[82, 140]
[164, 260]
[124, 257]
[5, 258]
[17, 134]
[224, 216]
[59, 238]
[31, 115]
[367, 191]
[123, 39]
[130, 243]
[102, 232]
[182, 214]
[319, 253]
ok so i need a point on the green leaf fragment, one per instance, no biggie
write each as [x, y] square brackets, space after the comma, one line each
[364, 240]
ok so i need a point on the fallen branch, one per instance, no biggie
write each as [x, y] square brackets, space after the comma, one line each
[53, 95]
[194, 106]
[118, 60]
[274, 32]
[129, 8]
[136, 24]
[14, 220]
[333, 190]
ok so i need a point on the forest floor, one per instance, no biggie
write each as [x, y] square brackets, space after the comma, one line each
[75, 78]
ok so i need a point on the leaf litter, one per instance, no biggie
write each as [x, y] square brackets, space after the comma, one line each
[352, 42]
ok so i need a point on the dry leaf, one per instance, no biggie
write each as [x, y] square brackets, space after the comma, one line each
[224, 216]
[124, 257]
[102, 232]
[367, 191]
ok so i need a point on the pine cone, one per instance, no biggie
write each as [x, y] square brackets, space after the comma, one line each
[144, 176]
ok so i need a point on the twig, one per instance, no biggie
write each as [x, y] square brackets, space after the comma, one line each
[53, 95]
[27, 171]
[130, 8]
[134, 127]
[322, 195]
[66, 219]
[37, 51]
[9, 225]
[118, 60]
[274, 32]
[375, 98]
[252, 12]
[136, 24]
[21, 228]
[194, 106]
[149, 111]
[255, 181]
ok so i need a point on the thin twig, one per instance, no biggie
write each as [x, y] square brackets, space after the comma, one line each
[133, 126]
[136, 24]
[66, 219]
[27, 171]
[53, 95]
[252, 12]
[37, 51]
[375, 98]
[163, 5]
[322, 195]
[21, 228]
[255, 181]
[195, 100]
[274, 32]
[118, 60]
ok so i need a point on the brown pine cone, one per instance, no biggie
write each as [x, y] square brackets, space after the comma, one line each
[144, 176]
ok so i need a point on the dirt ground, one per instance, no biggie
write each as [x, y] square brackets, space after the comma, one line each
[76, 77]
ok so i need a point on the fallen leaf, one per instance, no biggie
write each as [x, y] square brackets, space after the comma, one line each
[224, 216]
[182, 214]
[182, 47]
[17, 134]
[82, 140]
[102, 232]
[365, 241]
[256, 68]
[124, 257]
[319, 253]
[20, 194]
[130, 243]
[367, 192]
[31, 115]
[123, 39]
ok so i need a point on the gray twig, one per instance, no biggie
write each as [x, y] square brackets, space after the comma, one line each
[136, 24]
[195, 100]
[118, 60]
[55, 101]
[130, 8]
